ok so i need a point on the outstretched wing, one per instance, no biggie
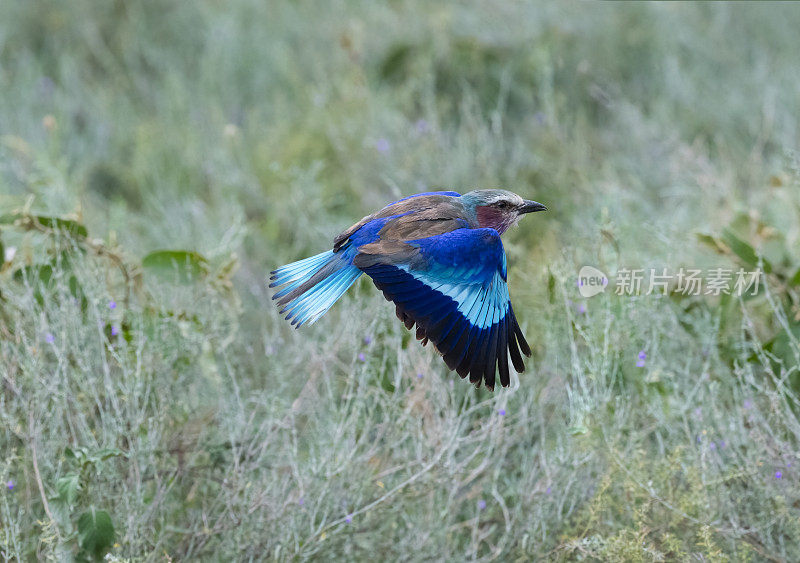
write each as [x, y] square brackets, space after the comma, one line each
[453, 287]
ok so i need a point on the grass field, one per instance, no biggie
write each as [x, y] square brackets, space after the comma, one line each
[159, 158]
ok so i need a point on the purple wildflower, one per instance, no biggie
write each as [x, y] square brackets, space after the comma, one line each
[382, 145]
[367, 340]
[481, 504]
[747, 403]
[502, 412]
[639, 363]
[778, 475]
[721, 444]
[301, 501]
[712, 446]
[420, 375]
[10, 485]
[114, 330]
[49, 338]
[349, 519]
[549, 490]
[361, 357]
[642, 355]
[112, 304]
[582, 308]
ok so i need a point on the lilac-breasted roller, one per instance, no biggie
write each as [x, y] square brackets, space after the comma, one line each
[438, 256]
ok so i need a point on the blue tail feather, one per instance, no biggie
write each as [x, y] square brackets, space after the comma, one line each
[296, 271]
[324, 296]
[313, 285]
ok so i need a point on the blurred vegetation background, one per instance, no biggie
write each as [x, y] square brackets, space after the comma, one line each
[159, 158]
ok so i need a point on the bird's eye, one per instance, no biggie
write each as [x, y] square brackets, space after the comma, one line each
[502, 204]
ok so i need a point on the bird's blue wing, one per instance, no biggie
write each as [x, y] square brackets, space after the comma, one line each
[453, 287]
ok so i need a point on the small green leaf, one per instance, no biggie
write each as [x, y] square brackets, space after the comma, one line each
[395, 63]
[68, 487]
[743, 250]
[107, 453]
[578, 430]
[712, 242]
[95, 532]
[78, 454]
[67, 225]
[38, 273]
[795, 278]
[37, 276]
[183, 266]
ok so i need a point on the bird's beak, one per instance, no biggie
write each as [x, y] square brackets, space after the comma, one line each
[530, 206]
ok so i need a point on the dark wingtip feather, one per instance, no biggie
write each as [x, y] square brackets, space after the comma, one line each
[478, 365]
[401, 314]
[457, 342]
[491, 358]
[468, 358]
[523, 344]
[513, 348]
[438, 331]
[502, 368]
[502, 353]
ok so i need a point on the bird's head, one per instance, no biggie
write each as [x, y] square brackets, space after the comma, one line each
[498, 209]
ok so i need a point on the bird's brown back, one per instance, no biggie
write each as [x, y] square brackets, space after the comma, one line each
[430, 215]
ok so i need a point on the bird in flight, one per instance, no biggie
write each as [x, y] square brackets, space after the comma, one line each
[438, 256]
